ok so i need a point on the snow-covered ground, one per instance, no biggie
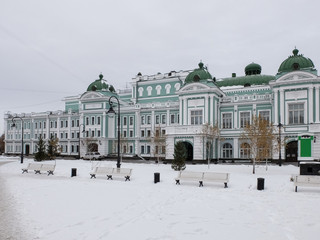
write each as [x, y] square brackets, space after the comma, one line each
[64, 207]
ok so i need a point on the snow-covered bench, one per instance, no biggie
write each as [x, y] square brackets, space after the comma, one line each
[102, 171]
[203, 177]
[39, 167]
[112, 172]
[216, 177]
[306, 181]
[189, 176]
[120, 172]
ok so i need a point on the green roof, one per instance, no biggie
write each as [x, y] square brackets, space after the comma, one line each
[296, 62]
[198, 74]
[100, 85]
[252, 68]
[245, 80]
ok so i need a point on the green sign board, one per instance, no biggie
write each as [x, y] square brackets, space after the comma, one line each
[305, 146]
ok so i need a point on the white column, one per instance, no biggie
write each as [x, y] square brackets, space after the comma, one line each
[317, 104]
[282, 120]
[235, 148]
[310, 103]
[206, 109]
[185, 109]
[275, 108]
[236, 125]
[180, 111]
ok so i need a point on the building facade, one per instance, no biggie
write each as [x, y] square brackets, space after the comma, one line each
[175, 105]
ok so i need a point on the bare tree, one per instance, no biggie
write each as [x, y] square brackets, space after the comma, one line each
[159, 142]
[208, 135]
[124, 143]
[261, 138]
[2, 143]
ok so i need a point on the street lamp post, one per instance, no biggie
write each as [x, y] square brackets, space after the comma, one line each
[111, 111]
[83, 130]
[13, 125]
[280, 161]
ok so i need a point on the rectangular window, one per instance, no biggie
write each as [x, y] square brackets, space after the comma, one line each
[131, 120]
[163, 132]
[265, 115]
[149, 133]
[244, 119]
[92, 133]
[99, 120]
[142, 133]
[72, 135]
[87, 121]
[163, 119]
[196, 117]
[35, 125]
[44, 125]
[61, 135]
[227, 120]
[124, 133]
[148, 149]
[148, 119]
[55, 124]
[66, 123]
[296, 113]
[72, 148]
[172, 118]
[72, 123]
[142, 149]
[66, 135]
[157, 119]
[99, 133]
[131, 133]
[142, 120]
[124, 121]
[40, 125]
[61, 124]
[78, 123]
[178, 118]
[92, 120]
[131, 149]
[51, 124]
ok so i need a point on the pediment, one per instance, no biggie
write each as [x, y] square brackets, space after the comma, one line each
[297, 76]
[193, 87]
[91, 95]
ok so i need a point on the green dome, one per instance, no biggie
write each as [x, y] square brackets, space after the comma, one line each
[295, 62]
[100, 85]
[198, 74]
[252, 69]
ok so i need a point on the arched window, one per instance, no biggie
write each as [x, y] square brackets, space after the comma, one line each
[227, 150]
[177, 86]
[158, 88]
[245, 150]
[149, 90]
[168, 88]
[140, 90]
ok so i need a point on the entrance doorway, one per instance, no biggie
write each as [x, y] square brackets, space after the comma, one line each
[292, 151]
[92, 147]
[189, 148]
[27, 149]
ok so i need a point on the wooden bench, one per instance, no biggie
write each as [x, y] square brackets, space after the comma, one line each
[36, 167]
[202, 177]
[39, 167]
[49, 168]
[120, 172]
[306, 181]
[102, 171]
[189, 176]
[216, 177]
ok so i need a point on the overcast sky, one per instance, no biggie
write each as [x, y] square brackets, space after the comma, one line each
[53, 49]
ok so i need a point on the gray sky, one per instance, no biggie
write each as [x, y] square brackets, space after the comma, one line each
[53, 49]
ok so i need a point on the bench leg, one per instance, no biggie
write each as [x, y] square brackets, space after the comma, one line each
[296, 190]
[50, 172]
[127, 178]
[200, 184]
[225, 185]
[37, 171]
[109, 177]
[93, 176]
[24, 170]
[178, 182]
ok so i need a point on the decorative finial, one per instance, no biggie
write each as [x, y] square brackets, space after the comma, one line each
[200, 64]
[295, 51]
[100, 76]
